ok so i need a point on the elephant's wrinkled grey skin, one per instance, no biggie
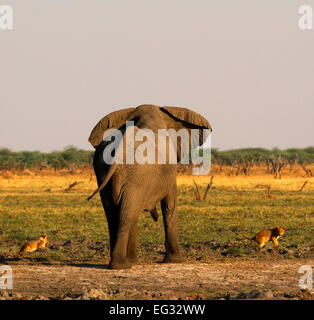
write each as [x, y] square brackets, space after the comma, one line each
[126, 190]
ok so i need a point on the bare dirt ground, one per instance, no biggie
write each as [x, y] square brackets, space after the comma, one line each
[249, 279]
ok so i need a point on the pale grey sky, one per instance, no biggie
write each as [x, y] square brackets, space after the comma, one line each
[245, 65]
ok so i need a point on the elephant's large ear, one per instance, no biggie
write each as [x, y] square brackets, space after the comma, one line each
[113, 120]
[186, 118]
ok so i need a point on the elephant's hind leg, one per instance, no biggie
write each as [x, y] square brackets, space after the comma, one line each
[112, 218]
[126, 240]
[170, 217]
[132, 243]
[119, 259]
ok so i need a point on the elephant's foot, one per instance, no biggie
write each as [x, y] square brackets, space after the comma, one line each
[171, 258]
[132, 259]
[120, 264]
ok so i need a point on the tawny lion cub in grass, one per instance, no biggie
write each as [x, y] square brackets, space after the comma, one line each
[265, 235]
[35, 244]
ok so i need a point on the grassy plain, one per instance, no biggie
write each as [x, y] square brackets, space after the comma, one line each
[33, 203]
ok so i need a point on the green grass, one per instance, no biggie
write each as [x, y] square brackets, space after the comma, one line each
[248, 213]
[27, 211]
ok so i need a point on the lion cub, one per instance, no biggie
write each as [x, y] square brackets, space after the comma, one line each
[264, 236]
[35, 244]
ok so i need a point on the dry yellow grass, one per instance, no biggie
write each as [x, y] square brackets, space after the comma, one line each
[37, 180]
[245, 183]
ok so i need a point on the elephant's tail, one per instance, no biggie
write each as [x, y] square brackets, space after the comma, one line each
[154, 214]
[105, 181]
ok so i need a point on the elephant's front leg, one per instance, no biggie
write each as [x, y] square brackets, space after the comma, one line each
[170, 217]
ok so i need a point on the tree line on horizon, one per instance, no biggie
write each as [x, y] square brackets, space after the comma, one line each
[241, 160]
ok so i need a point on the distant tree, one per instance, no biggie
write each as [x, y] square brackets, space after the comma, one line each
[306, 158]
[278, 160]
[242, 160]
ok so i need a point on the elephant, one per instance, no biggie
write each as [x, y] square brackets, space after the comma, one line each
[129, 189]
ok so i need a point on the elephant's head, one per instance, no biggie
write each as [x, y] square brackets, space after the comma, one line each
[154, 118]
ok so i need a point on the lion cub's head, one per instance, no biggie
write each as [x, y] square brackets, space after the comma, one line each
[44, 239]
[281, 230]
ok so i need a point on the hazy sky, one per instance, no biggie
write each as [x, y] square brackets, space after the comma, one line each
[245, 65]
